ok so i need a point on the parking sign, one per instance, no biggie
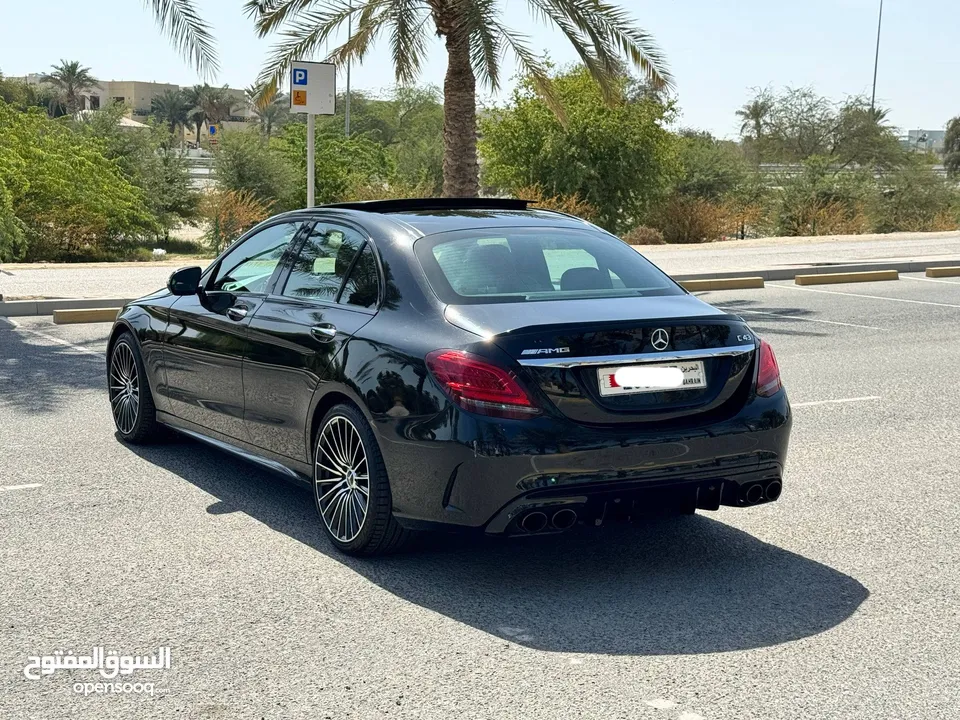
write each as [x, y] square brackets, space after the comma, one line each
[313, 88]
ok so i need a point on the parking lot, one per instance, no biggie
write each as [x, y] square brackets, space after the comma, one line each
[838, 601]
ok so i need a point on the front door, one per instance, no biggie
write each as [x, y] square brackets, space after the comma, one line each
[330, 292]
[207, 335]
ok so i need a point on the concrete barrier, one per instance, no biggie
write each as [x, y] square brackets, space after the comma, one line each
[943, 272]
[741, 283]
[850, 277]
[91, 315]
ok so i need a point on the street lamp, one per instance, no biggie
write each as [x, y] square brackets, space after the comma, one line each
[876, 61]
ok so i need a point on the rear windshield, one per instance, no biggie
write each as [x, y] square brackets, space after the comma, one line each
[531, 264]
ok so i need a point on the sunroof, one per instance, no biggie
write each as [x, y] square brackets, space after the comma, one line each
[420, 204]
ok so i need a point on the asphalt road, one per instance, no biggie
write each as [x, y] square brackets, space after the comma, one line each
[839, 601]
[134, 280]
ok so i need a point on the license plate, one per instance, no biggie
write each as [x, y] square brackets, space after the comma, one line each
[694, 378]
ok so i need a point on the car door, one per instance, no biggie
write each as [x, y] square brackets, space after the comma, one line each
[330, 291]
[207, 334]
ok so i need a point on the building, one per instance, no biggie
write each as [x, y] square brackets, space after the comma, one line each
[924, 141]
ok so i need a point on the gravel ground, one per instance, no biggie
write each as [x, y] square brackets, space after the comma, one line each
[837, 602]
[130, 280]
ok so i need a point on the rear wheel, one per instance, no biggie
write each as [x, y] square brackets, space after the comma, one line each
[131, 403]
[351, 489]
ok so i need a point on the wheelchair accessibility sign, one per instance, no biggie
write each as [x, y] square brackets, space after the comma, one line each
[313, 88]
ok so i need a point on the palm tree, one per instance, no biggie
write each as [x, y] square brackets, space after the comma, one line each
[217, 104]
[753, 116]
[270, 111]
[71, 81]
[172, 108]
[196, 97]
[190, 35]
[475, 39]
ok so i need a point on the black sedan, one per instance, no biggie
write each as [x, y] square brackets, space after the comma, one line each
[456, 365]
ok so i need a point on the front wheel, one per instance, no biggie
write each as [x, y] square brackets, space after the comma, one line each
[130, 400]
[351, 489]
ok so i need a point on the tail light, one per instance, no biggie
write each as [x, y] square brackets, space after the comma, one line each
[768, 376]
[480, 387]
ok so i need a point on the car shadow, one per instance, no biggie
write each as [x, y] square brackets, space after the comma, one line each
[673, 586]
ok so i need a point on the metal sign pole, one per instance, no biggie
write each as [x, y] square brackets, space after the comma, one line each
[311, 160]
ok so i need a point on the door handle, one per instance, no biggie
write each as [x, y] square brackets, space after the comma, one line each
[325, 332]
[237, 313]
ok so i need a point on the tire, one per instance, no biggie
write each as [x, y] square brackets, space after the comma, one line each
[131, 403]
[348, 469]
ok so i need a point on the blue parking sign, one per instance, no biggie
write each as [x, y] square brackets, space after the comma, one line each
[299, 76]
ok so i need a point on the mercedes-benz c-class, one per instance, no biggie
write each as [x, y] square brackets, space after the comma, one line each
[473, 365]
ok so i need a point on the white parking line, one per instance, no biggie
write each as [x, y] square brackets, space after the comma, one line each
[793, 317]
[4, 488]
[838, 401]
[58, 341]
[945, 282]
[870, 297]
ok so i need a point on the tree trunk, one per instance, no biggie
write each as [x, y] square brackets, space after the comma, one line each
[461, 172]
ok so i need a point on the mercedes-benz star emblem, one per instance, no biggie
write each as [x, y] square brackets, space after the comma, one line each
[660, 339]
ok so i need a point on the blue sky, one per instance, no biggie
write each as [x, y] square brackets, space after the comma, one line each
[716, 50]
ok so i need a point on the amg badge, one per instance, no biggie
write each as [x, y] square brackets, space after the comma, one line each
[546, 351]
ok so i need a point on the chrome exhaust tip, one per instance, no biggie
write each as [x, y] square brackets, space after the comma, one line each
[773, 490]
[754, 494]
[533, 522]
[564, 519]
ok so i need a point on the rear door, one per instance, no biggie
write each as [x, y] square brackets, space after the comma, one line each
[328, 293]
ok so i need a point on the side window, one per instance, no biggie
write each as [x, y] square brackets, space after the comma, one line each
[248, 267]
[363, 285]
[322, 263]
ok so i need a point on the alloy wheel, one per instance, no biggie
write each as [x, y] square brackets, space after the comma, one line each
[124, 388]
[342, 479]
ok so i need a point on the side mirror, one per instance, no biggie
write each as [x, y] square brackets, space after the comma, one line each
[185, 281]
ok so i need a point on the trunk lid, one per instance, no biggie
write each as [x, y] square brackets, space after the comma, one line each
[564, 347]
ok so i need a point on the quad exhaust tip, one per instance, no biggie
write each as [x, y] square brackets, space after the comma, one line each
[773, 490]
[754, 494]
[564, 519]
[534, 522]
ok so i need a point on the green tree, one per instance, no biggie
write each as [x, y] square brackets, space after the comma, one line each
[951, 147]
[59, 195]
[243, 163]
[72, 82]
[754, 114]
[475, 39]
[618, 158]
[709, 168]
[217, 104]
[915, 199]
[146, 161]
[342, 163]
[196, 99]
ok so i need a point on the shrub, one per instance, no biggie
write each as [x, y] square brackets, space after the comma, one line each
[643, 235]
[569, 204]
[245, 162]
[230, 213]
[685, 220]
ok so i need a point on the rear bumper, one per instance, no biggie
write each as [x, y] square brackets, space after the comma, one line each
[460, 471]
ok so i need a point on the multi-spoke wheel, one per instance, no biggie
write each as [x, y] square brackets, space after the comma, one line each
[129, 392]
[124, 388]
[342, 479]
[351, 489]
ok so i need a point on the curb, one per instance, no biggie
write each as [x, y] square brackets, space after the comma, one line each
[848, 277]
[738, 283]
[90, 315]
[770, 274]
[943, 271]
[22, 308]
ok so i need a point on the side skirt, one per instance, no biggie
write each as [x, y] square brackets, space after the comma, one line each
[227, 445]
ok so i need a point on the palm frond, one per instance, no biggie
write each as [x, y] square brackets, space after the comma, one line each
[479, 22]
[535, 68]
[190, 35]
[408, 41]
